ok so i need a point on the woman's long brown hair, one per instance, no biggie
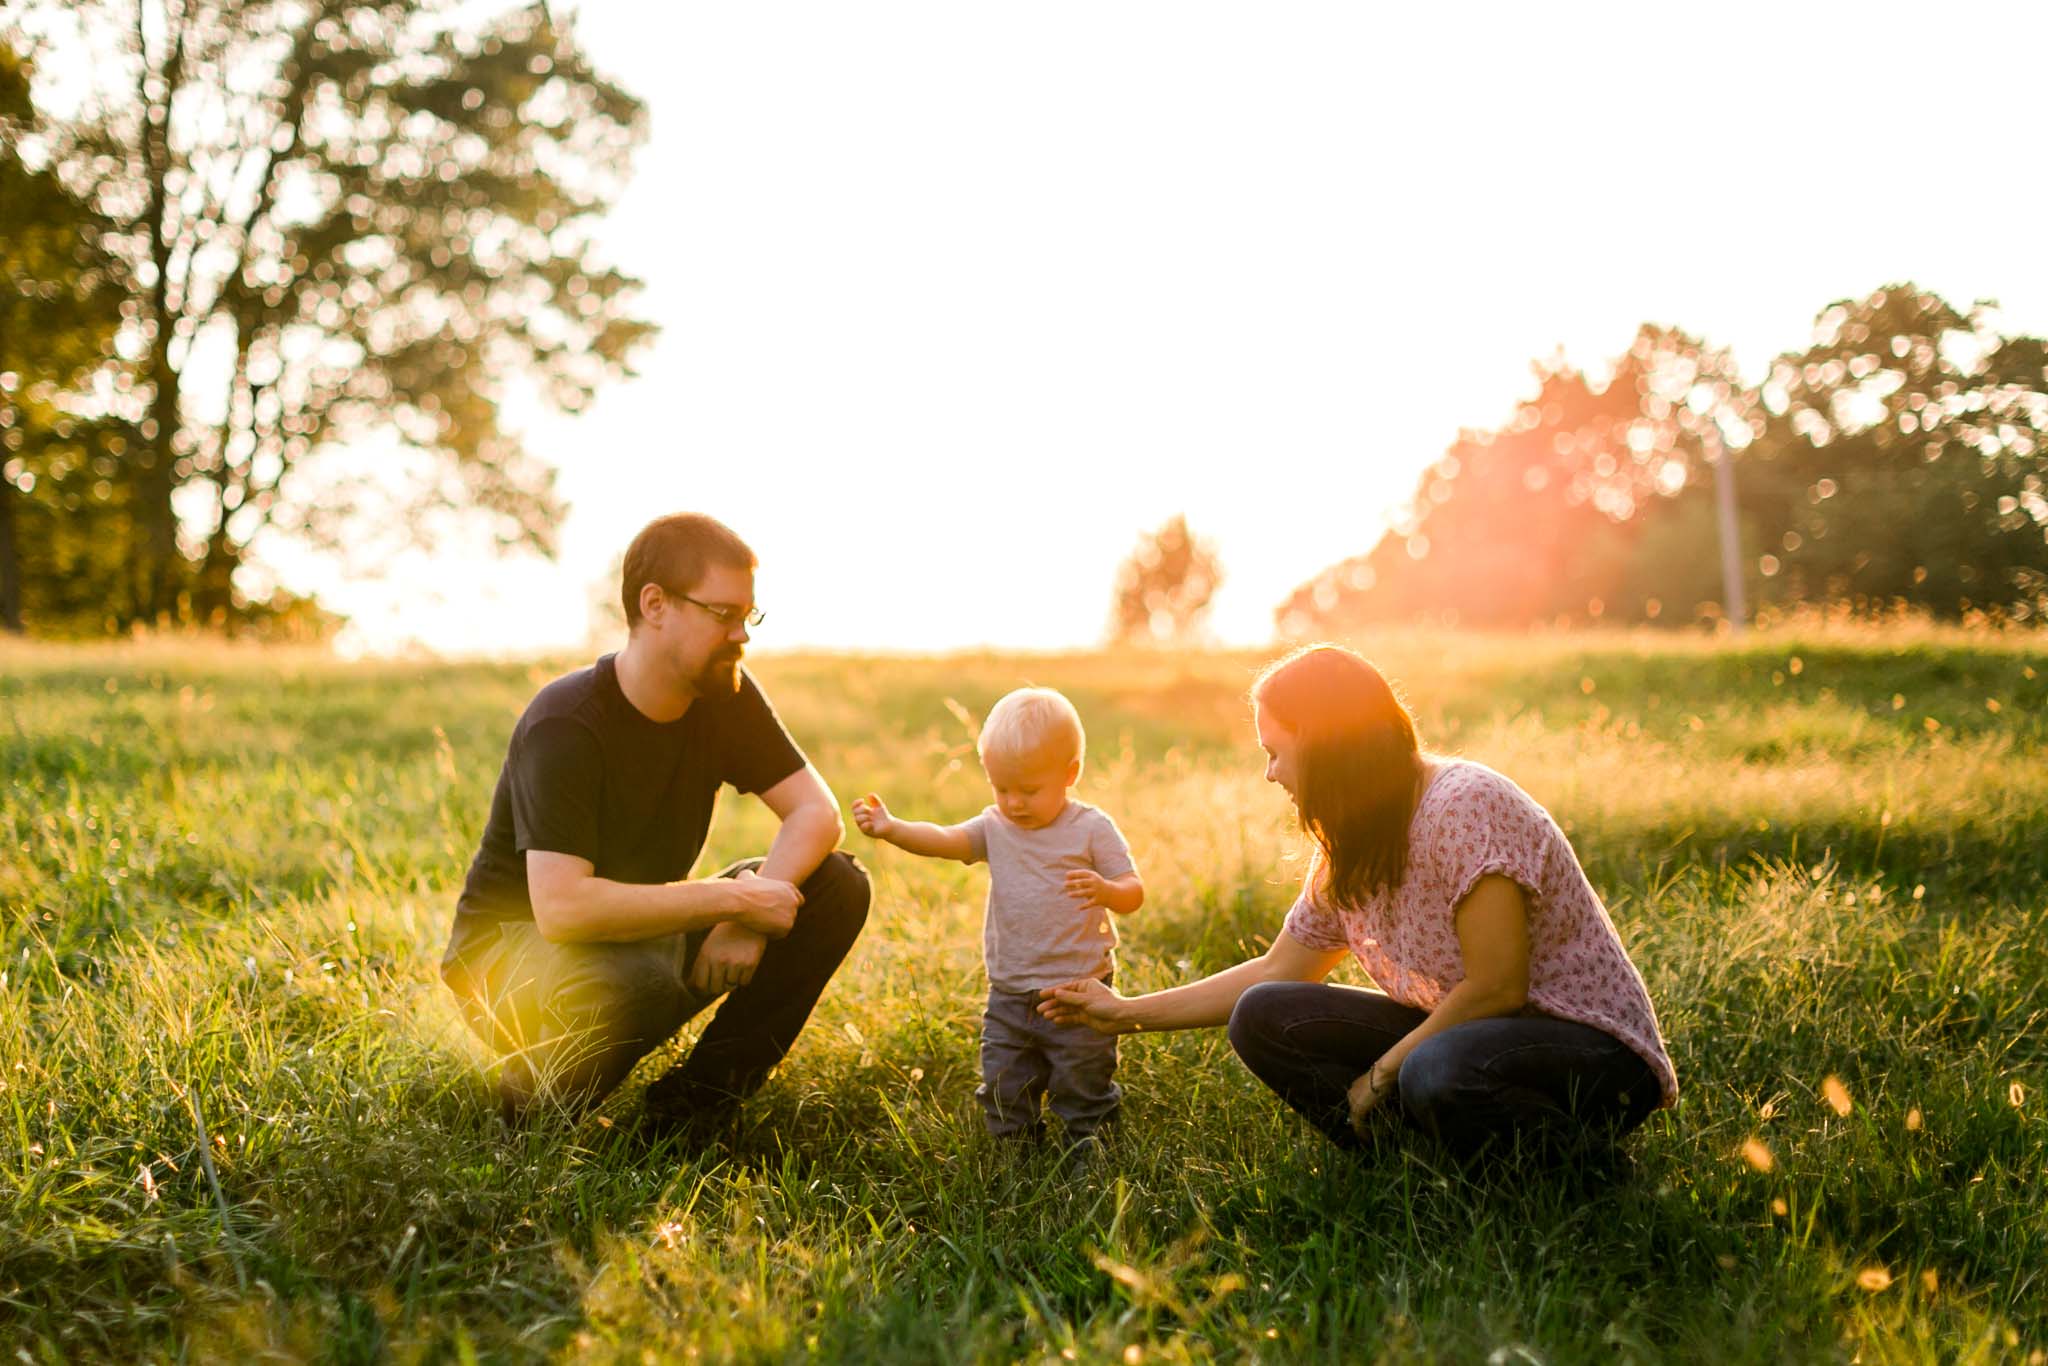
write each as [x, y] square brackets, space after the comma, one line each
[1358, 764]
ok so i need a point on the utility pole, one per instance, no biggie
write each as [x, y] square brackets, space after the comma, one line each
[1731, 539]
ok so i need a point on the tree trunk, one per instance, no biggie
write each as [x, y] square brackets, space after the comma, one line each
[10, 561]
[156, 523]
[213, 587]
[10, 543]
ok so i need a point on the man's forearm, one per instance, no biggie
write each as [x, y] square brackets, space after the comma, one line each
[601, 911]
[801, 844]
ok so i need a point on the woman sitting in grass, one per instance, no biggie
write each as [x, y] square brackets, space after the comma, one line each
[1507, 1004]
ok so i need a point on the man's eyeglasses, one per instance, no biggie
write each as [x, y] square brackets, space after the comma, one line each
[724, 613]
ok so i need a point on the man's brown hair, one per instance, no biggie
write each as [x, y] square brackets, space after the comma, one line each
[673, 552]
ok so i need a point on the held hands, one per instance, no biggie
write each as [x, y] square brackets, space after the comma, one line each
[764, 906]
[872, 817]
[1367, 1094]
[726, 959]
[1087, 1001]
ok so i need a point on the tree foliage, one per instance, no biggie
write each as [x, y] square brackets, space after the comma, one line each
[1554, 513]
[64, 498]
[353, 225]
[1905, 460]
[1163, 589]
[1897, 461]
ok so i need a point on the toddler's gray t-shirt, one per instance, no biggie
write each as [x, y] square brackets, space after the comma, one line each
[1035, 935]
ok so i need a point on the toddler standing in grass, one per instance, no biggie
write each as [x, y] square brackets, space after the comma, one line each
[1057, 869]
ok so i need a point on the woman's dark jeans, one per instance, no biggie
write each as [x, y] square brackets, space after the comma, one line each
[1555, 1082]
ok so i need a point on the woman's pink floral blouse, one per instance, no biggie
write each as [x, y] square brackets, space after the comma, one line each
[1471, 822]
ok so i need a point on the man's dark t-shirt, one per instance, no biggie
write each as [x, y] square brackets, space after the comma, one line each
[588, 774]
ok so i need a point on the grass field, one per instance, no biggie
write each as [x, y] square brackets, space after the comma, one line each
[225, 878]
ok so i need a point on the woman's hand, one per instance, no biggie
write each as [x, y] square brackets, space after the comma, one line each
[1087, 1001]
[1367, 1093]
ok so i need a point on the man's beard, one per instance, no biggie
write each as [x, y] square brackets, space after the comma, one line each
[720, 676]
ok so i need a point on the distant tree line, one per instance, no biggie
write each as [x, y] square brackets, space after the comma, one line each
[279, 253]
[1900, 461]
[1164, 588]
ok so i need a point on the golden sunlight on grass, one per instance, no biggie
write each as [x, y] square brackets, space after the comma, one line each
[234, 870]
[1757, 1154]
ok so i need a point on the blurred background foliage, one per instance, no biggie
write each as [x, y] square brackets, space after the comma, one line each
[1895, 465]
[274, 268]
[1164, 588]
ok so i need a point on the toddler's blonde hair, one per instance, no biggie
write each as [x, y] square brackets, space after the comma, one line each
[1032, 721]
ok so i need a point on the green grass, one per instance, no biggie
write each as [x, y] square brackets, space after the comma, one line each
[227, 876]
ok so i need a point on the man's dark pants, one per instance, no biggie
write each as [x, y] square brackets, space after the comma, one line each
[1556, 1082]
[569, 1021]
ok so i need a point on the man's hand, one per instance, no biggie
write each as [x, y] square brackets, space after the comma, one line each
[764, 905]
[872, 817]
[726, 959]
[1087, 886]
[1367, 1094]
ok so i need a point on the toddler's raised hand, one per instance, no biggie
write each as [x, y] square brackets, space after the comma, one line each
[1086, 886]
[871, 816]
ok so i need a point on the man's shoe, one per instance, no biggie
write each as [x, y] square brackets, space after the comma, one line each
[677, 1109]
[513, 1088]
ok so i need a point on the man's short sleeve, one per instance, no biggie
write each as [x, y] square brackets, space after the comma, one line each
[557, 784]
[759, 753]
[1107, 851]
[975, 827]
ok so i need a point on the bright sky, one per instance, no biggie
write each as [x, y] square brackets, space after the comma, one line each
[958, 299]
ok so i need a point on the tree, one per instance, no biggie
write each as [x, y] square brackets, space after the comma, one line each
[1163, 589]
[1905, 461]
[347, 218]
[1560, 511]
[1901, 459]
[61, 510]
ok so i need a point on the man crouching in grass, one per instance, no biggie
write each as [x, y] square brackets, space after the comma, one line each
[580, 944]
